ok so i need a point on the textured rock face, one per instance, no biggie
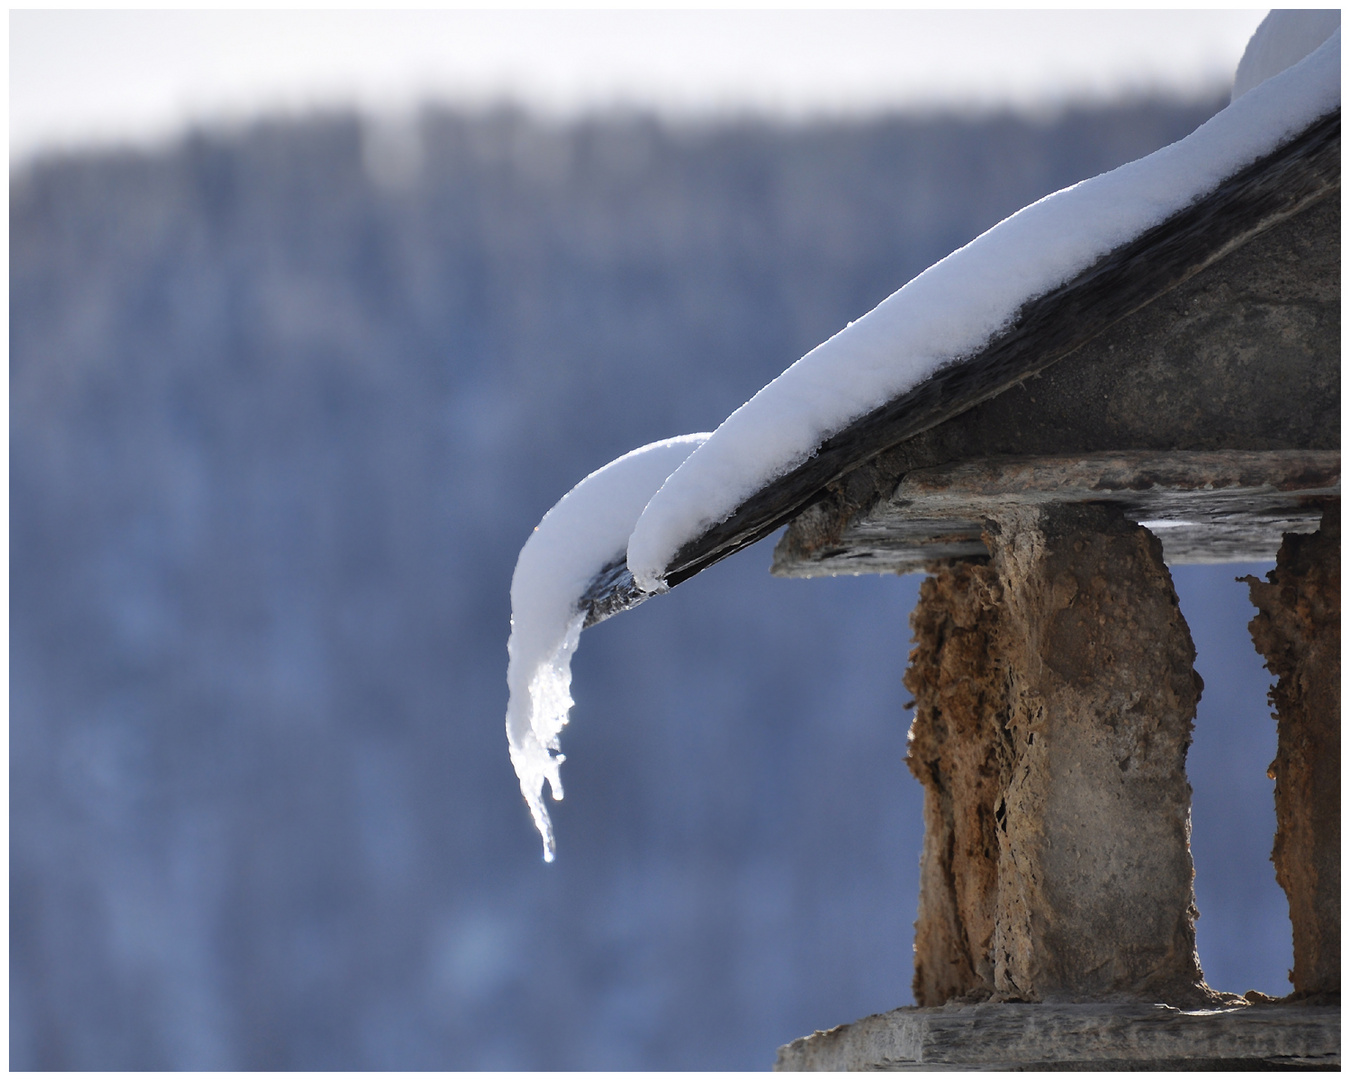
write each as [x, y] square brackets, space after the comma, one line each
[1297, 630]
[1096, 896]
[1055, 694]
[959, 751]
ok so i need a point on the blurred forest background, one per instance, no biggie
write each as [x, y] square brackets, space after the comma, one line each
[285, 402]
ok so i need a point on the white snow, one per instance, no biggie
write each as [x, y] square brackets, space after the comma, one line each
[1282, 40]
[955, 307]
[588, 528]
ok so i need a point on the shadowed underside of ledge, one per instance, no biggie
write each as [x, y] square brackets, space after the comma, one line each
[1204, 506]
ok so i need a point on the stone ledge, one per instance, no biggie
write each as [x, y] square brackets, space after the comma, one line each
[1204, 507]
[1020, 1037]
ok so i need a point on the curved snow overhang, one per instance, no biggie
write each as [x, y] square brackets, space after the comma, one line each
[843, 479]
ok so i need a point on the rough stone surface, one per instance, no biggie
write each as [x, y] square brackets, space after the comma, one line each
[1010, 1037]
[1054, 693]
[1297, 630]
[1095, 897]
[959, 751]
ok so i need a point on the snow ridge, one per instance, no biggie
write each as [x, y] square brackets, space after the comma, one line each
[1283, 39]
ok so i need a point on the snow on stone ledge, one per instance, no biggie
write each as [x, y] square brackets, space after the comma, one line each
[586, 530]
[957, 306]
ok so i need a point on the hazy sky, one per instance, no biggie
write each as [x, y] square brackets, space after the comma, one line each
[79, 77]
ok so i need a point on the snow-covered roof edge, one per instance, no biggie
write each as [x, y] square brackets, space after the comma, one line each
[936, 329]
[1047, 330]
[982, 319]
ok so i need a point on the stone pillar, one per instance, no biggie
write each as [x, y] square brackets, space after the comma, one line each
[1297, 630]
[1056, 694]
[1096, 896]
[959, 751]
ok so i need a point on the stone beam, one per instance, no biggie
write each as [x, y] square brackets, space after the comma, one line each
[1073, 1038]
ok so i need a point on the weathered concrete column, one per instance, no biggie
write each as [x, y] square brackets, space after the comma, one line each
[1055, 694]
[1096, 896]
[1297, 630]
[960, 751]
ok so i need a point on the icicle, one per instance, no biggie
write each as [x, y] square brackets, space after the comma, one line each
[587, 530]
